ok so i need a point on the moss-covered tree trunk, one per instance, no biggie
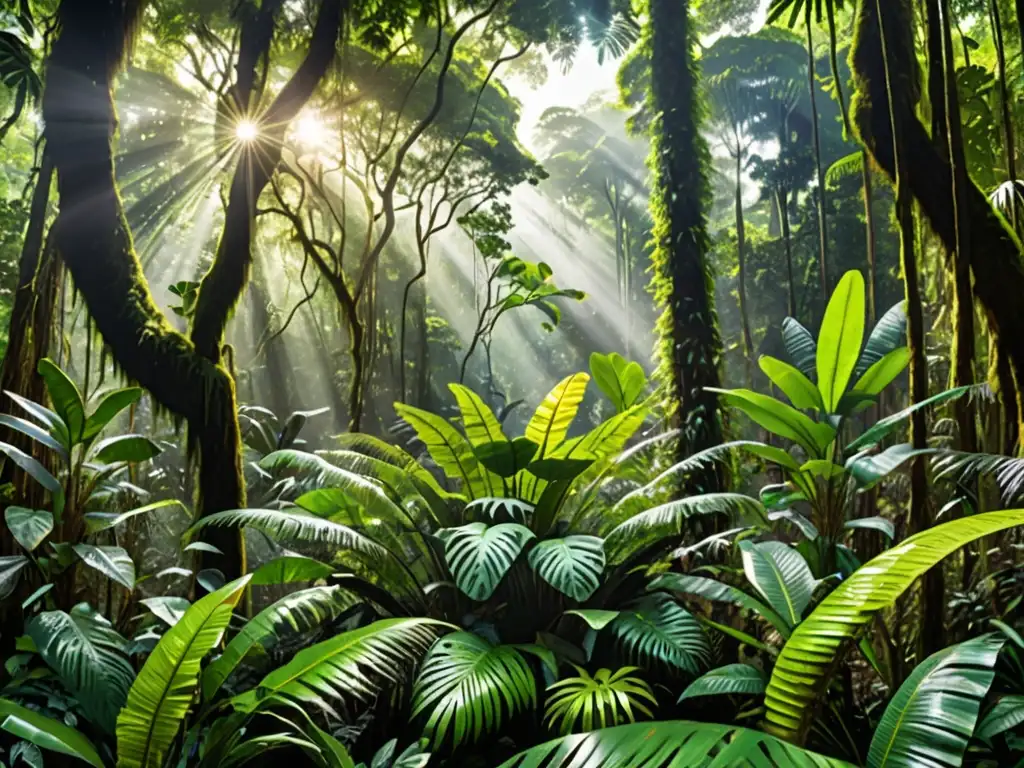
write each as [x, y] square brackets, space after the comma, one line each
[995, 257]
[690, 346]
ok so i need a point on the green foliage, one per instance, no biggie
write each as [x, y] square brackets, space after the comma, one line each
[582, 703]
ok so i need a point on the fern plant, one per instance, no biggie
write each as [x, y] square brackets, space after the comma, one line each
[583, 703]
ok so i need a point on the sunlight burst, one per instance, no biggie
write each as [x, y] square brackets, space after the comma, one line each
[246, 130]
[310, 130]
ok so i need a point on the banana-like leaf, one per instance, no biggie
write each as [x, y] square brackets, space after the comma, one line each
[781, 575]
[45, 417]
[572, 565]
[66, 398]
[794, 384]
[348, 665]
[880, 429]
[47, 733]
[33, 468]
[130, 448]
[728, 680]
[879, 524]
[801, 672]
[551, 421]
[479, 555]
[1005, 714]
[607, 438]
[881, 374]
[780, 419]
[608, 698]
[889, 333]
[113, 562]
[709, 589]
[111, 405]
[298, 612]
[162, 693]
[97, 522]
[168, 608]
[668, 520]
[1007, 471]
[869, 469]
[467, 688]
[28, 526]
[656, 630]
[449, 450]
[289, 569]
[933, 714]
[671, 744]
[840, 338]
[478, 420]
[37, 433]
[800, 346]
[89, 657]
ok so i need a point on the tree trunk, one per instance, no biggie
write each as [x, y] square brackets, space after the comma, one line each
[690, 346]
[932, 630]
[869, 225]
[995, 258]
[822, 203]
[782, 202]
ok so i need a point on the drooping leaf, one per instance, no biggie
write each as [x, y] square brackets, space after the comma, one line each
[36, 432]
[449, 449]
[780, 419]
[28, 526]
[97, 522]
[11, 567]
[468, 687]
[717, 591]
[47, 733]
[840, 338]
[130, 448]
[794, 384]
[167, 608]
[669, 519]
[349, 664]
[89, 657]
[677, 743]
[113, 562]
[1007, 713]
[932, 716]
[294, 613]
[656, 630]
[479, 555]
[163, 691]
[596, 618]
[801, 671]
[289, 569]
[572, 565]
[880, 429]
[33, 468]
[47, 418]
[879, 524]
[730, 680]
[869, 469]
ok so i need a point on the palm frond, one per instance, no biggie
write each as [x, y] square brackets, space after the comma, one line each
[656, 630]
[583, 703]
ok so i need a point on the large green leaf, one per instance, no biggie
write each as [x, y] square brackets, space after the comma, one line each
[880, 429]
[47, 733]
[780, 419]
[478, 420]
[130, 448]
[668, 520]
[550, 422]
[621, 381]
[801, 672]
[88, 655]
[289, 569]
[607, 438]
[66, 398]
[869, 469]
[479, 555]
[36, 432]
[572, 565]
[840, 338]
[295, 613]
[111, 405]
[449, 449]
[113, 562]
[467, 688]
[11, 567]
[47, 418]
[800, 346]
[656, 630]
[1006, 713]
[672, 744]
[781, 575]
[28, 526]
[933, 714]
[350, 664]
[888, 334]
[97, 522]
[717, 591]
[881, 374]
[728, 680]
[162, 693]
[33, 468]
[794, 384]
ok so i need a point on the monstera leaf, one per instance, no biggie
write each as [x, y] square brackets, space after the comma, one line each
[572, 565]
[479, 555]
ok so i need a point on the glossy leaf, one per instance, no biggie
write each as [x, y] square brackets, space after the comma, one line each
[572, 565]
[582, 703]
[882, 373]
[109, 407]
[28, 526]
[840, 338]
[794, 384]
[550, 422]
[67, 400]
[113, 562]
[732, 679]
[96, 522]
[449, 449]
[479, 555]
[33, 468]
[780, 419]
[656, 630]
[781, 575]
[880, 429]
[879, 524]
[167, 608]
[289, 569]
[717, 591]
[800, 346]
[889, 333]
[479, 423]
[130, 448]
[47, 733]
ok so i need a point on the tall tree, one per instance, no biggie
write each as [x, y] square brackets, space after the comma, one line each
[690, 346]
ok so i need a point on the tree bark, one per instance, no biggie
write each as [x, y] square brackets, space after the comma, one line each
[822, 203]
[690, 346]
[995, 258]
[741, 258]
